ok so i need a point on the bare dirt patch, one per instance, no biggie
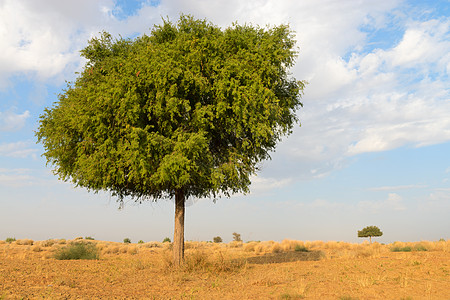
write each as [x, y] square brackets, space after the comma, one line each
[291, 256]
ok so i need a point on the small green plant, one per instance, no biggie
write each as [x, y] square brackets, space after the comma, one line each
[401, 249]
[237, 237]
[441, 240]
[89, 238]
[10, 240]
[166, 240]
[77, 250]
[140, 242]
[300, 248]
[291, 296]
[420, 248]
[217, 239]
[126, 241]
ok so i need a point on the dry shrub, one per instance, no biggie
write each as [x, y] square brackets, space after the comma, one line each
[101, 246]
[62, 241]
[2, 242]
[77, 250]
[151, 245]
[36, 248]
[332, 245]
[111, 250]
[434, 246]
[123, 249]
[441, 246]
[259, 248]
[276, 248]
[25, 242]
[250, 247]
[291, 245]
[200, 261]
[235, 244]
[314, 244]
[363, 253]
[167, 246]
[190, 245]
[48, 243]
[264, 247]
[132, 250]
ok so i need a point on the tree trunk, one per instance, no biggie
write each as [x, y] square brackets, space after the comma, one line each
[178, 235]
[370, 239]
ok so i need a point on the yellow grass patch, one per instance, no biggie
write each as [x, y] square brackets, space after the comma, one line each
[226, 271]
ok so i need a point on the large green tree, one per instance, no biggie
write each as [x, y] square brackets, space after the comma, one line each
[187, 111]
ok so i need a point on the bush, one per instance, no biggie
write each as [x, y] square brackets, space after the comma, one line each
[48, 243]
[10, 240]
[89, 238]
[25, 242]
[401, 249]
[140, 242]
[77, 250]
[300, 248]
[420, 248]
[217, 239]
[127, 241]
[236, 237]
[166, 240]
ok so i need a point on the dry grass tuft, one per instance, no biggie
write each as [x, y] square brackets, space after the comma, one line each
[48, 243]
[24, 242]
[250, 246]
[132, 250]
[235, 244]
[111, 249]
[151, 245]
[276, 248]
[36, 248]
[290, 245]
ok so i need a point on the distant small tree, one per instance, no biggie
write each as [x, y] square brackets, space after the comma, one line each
[167, 240]
[237, 237]
[369, 232]
[127, 241]
[217, 239]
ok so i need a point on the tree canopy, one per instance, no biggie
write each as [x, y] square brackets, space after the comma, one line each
[189, 110]
[369, 232]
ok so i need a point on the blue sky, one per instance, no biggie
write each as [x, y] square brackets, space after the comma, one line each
[372, 149]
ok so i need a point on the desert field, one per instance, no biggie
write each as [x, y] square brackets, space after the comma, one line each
[235, 270]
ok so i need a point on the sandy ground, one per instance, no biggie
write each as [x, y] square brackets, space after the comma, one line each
[212, 271]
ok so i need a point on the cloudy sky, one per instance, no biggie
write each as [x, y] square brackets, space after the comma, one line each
[373, 147]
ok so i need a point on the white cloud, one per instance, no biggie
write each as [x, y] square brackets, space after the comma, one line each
[261, 184]
[397, 187]
[16, 177]
[376, 101]
[21, 149]
[393, 202]
[10, 121]
[439, 199]
[43, 38]
[324, 204]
